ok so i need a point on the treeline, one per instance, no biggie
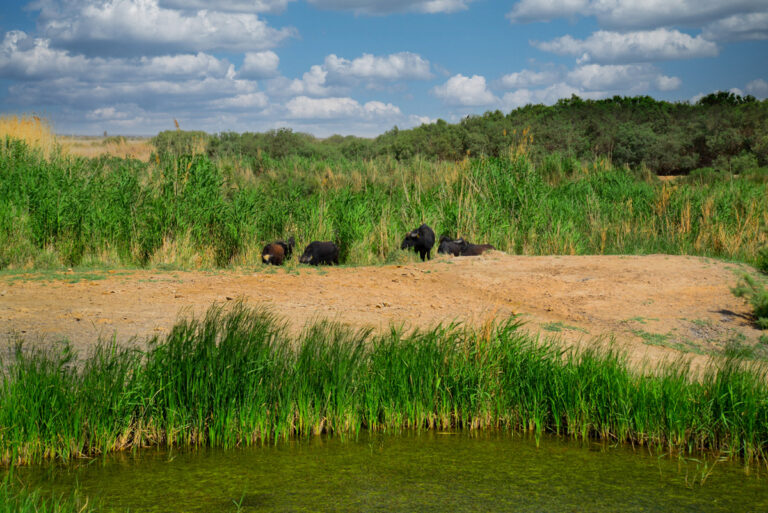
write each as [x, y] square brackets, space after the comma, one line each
[722, 132]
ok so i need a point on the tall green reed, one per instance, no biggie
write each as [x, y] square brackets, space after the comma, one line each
[238, 377]
[195, 212]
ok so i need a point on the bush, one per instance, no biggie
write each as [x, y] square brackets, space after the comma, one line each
[176, 143]
[708, 175]
[762, 260]
[757, 295]
[743, 163]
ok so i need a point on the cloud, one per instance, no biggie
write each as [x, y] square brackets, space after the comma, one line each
[631, 78]
[22, 57]
[665, 83]
[311, 83]
[259, 64]
[142, 27]
[25, 58]
[83, 93]
[642, 46]
[396, 66]
[304, 107]
[392, 6]
[547, 96]
[634, 13]
[337, 75]
[590, 81]
[255, 100]
[416, 120]
[268, 6]
[739, 27]
[112, 113]
[466, 91]
[758, 88]
[527, 78]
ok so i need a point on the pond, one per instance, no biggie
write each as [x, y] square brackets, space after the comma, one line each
[423, 472]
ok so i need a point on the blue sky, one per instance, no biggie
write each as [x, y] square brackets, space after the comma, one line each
[360, 66]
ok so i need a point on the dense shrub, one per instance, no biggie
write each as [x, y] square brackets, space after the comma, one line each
[722, 130]
[175, 143]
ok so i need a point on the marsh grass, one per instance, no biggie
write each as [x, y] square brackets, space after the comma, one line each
[192, 212]
[236, 377]
[33, 130]
[756, 293]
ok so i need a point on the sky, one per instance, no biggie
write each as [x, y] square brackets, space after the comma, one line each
[360, 67]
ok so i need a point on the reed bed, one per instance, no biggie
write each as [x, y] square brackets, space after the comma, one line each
[194, 212]
[235, 377]
[32, 130]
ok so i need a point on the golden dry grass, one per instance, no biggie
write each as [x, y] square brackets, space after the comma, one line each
[33, 130]
[123, 147]
[37, 132]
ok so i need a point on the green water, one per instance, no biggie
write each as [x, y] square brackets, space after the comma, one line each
[413, 472]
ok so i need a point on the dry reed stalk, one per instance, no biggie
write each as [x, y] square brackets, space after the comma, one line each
[32, 129]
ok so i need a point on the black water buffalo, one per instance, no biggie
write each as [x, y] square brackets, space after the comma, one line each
[421, 240]
[460, 247]
[320, 253]
[475, 249]
[451, 246]
[278, 251]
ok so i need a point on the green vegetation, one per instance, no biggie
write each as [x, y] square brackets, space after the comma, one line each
[762, 260]
[194, 212]
[757, 295]
[113, 139]
[559, 326]
[236, 377]
[14, 499]
[721, 135]
[174, 143]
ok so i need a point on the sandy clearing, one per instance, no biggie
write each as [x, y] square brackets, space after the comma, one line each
[653, 305]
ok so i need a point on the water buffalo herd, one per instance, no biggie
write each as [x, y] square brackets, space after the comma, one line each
[421, 240]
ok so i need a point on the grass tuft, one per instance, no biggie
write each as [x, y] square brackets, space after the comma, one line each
[236, 377]
[757, 295]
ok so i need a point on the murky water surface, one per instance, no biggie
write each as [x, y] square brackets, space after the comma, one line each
[413, 472]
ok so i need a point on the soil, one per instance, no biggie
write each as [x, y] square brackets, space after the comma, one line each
[654, 307]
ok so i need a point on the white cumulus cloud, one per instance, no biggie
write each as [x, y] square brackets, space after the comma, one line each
[268, 6]
[337, 75]
[753, 26]
[311, 83]
[758, 88]
[632, 78]
[392, 6]
[416, 120]
[143, 27]
[24, 57]
[546, 96]
[256, 100]
[624, 47]
[304, 107]
[634, 13]
[466, 91]
[396, 66]
[527, 78]
[259, 64]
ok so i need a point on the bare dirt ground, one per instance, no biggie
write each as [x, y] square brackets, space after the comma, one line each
[654, 306]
